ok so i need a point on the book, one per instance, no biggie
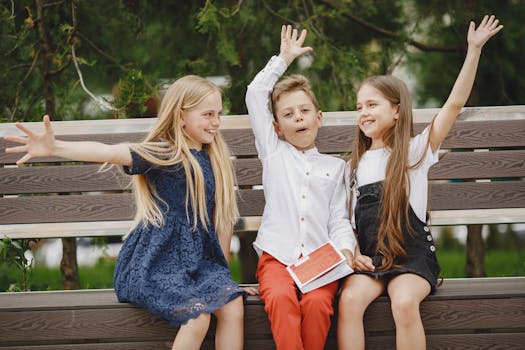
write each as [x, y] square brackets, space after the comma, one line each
[323, 265]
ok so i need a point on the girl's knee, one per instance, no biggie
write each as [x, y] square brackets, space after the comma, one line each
[404, 307]
[350, 299]
[233, 311]
[197, 326]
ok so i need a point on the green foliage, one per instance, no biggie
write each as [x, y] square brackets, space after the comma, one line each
[447, 240]
[351, 40]
[133, 92]
[12, 253]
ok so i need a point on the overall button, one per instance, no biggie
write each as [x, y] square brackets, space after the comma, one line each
[426, 229]
[432, 248]
[429, 238]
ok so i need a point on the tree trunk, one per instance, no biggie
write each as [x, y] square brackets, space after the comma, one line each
[475, 266]
[68, 265]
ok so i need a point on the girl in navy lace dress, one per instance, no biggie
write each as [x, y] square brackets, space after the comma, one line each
[174, 261]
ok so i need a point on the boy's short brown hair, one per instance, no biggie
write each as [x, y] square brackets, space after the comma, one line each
[295, 82]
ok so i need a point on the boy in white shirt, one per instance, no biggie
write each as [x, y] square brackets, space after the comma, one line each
[306, 202]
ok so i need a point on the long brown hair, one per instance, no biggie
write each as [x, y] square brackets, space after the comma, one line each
[396, 186]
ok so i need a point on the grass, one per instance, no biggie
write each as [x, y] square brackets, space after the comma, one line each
[498, 263]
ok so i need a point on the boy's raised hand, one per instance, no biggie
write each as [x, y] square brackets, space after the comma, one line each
[35, 144]
[486, 29]
[291, 46]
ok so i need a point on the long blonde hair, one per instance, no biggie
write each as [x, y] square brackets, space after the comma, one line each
[396, 186]
[167, 144]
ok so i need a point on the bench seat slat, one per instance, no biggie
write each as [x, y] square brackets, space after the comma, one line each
[487, 305]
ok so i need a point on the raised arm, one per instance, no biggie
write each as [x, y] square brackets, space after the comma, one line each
[446, 117]
[45, 145]
[291, 46]
[259, 90]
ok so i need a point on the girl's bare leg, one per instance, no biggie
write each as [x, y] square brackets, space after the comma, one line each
[406, 292]
[357, 292]
[191, 335]
[230, 326]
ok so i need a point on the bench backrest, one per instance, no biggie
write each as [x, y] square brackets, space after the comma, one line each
[478, 180]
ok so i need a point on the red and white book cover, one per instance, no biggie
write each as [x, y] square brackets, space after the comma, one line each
[322, 266]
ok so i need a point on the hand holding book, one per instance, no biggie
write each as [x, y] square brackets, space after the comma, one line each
[322, 266]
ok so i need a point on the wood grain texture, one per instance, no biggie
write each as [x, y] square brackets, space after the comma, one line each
[480, 313]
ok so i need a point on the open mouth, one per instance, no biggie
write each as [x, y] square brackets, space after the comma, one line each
[302, 130]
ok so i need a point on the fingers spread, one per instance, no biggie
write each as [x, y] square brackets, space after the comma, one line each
[25, 130]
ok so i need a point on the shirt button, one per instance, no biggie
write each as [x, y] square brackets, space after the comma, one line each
[302, 245]
[303, 196]
[307, 173]
[327, 174]
[432, 248]
[302, 218]
[426, 229]
[429, 238]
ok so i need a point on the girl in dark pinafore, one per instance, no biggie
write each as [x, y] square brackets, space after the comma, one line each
[387, 177]
[174, 262]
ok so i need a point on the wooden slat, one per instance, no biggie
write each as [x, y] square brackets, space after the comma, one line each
[96, 207]
[503, 341]
[477, 195]
[332, 139]
[479, 165]
[65, 178]
[88, 178]
[109, 207]
[459, 310]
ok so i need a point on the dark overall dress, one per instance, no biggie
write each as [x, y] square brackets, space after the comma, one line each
[421, 257]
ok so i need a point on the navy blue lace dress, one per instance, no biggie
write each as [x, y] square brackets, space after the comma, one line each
[173, 271]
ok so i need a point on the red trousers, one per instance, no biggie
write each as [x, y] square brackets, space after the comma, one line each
[298, 321]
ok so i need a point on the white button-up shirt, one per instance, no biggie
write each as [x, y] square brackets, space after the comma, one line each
[306, 201]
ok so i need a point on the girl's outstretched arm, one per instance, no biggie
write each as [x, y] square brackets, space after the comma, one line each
[45, 145]
[446, 117]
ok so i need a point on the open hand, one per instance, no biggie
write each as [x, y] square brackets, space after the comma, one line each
[35, 144]
[486, 29]
[291, 46]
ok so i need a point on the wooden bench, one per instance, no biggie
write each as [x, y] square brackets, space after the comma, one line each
[484, 154]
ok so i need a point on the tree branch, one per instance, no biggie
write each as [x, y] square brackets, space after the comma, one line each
[103, 103]
[390, 34]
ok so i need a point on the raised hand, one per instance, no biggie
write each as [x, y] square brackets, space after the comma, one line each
[35, 144]
[291, 46]
[486, 29]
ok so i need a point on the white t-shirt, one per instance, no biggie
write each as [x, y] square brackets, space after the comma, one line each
[372, 168]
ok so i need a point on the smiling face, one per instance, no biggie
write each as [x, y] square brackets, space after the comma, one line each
[202, 122]
[298, 120]
[375, 114]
